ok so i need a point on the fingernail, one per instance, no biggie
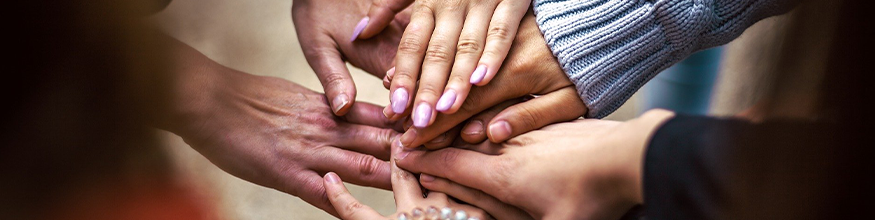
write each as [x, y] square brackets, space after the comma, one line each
[332, 177]
[407, 138]
[422, 115]
[399, 100]
[478, 74]
[402, 152]
[426, 177]
[339, 102]
[390, 73]
[473, 128]
[446, 101]
[359, 28]
[500, 130]
[387, 112]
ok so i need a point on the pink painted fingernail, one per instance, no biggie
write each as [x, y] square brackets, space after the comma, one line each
[422, 115]
[359, 28]
[426, 177]
[332, 177]
[399, 100]
[446, 101]
[500, 130]
[478, 74]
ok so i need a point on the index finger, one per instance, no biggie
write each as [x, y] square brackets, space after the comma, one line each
[381, 13]
[346, 205]
[469, 168]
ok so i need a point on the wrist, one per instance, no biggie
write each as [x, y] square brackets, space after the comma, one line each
[196, 79]
[642, 128]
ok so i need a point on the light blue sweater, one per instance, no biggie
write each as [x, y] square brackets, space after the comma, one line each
[610, 48]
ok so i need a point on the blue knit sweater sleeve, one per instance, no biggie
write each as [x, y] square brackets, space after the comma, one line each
[610, 48]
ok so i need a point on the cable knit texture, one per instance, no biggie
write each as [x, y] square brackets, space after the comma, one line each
[610, 48]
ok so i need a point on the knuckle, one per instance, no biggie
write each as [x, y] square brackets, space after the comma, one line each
[528, 117]
[351, 208]
[404, 78]
[368, 166]
[437, 53]
[410, 45]
[333, 79]
[428, 90]
[458, 79]
[468, 46]
[499, 31]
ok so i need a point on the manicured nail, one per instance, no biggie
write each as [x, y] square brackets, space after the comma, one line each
[339, 102]
[401, 151]
[387, 112]
[399, 100]
[359, 28]
[474, 127]
[426, 177]
[446, 101]
[422, 115]
[478, 74]
[332, 177]
[499, 130]
[390, 73]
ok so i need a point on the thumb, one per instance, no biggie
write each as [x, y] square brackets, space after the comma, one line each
[381, 13]
[332, 73]
[561, 105]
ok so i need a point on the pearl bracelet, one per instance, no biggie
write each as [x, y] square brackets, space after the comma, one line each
[433, 213]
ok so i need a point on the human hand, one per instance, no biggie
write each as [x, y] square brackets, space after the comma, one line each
[471, 38]
[587, 169]
[530, 69]
[412, 205]
[275, 133]
[324, 29]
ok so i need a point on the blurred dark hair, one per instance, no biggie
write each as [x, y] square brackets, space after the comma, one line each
[84, 83]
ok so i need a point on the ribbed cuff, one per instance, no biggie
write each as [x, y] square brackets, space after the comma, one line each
[610, 48]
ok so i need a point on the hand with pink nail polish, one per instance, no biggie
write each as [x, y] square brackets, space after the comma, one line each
[531, 70]
[327, 41]
[449, 46]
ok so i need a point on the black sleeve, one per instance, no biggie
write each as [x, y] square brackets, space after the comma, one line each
[698, 167]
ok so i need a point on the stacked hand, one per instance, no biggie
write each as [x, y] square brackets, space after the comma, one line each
[324, 29]
[530, 69]
[586, 169]
[275, 133]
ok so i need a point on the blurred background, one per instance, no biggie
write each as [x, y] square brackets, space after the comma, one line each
[258, 37]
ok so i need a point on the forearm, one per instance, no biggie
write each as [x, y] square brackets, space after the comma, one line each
[194, 78]
[609, 49]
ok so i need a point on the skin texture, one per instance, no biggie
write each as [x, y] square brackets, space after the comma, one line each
[586, 169]
[530, 69]
[449, 45]
[408, 196]
[273, 132]
[324, 29]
